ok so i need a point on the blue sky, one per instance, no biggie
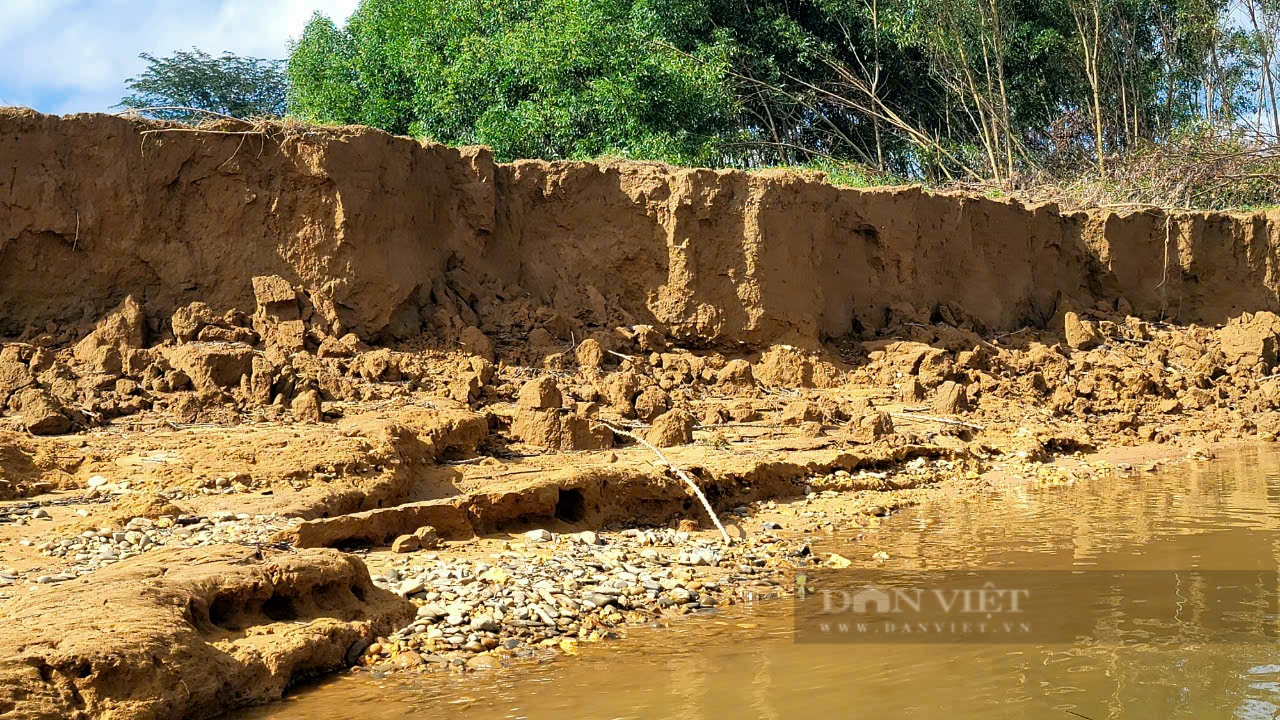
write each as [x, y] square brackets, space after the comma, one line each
[65, 56]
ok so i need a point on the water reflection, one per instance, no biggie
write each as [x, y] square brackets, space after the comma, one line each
[1223, 515]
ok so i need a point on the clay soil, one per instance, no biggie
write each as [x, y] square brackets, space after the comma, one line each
[208, 442]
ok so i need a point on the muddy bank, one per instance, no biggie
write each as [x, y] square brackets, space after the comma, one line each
[186, 635]
[388, 236]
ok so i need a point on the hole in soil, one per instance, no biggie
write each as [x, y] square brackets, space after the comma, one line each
[452, 454]
[356, 544]
[280, 608]
[222, 612]
[571, 506]
[329, 596]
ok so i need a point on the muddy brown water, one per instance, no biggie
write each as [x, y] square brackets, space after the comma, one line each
[745, 663]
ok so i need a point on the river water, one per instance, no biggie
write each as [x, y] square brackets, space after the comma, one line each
[1170, 649]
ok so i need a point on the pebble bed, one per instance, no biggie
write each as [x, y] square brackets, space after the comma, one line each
[546, 591]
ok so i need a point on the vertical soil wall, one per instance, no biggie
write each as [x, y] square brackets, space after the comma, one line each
[386, 233]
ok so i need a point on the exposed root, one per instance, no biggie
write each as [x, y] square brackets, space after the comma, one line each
[202, 131]
[181, 108]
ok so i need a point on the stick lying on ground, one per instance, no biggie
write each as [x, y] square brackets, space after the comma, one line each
[678, 471]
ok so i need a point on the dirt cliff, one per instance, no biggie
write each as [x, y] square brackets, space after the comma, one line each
[389, 237]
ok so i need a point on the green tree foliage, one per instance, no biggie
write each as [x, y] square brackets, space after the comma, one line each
[932, 89]
[530, 78]
[242, 87]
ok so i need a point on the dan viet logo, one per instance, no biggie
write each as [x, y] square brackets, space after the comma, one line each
[1036, 606]
[874, 610]
[987, 600]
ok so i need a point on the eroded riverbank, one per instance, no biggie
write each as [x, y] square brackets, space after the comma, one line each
[742, 661]
[353, 400]
[484, 517]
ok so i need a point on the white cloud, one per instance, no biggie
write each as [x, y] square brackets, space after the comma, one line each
[74, 55]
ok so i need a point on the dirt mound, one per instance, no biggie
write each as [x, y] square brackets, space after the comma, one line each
[28, 468]
[187, 634]
[214, 366]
